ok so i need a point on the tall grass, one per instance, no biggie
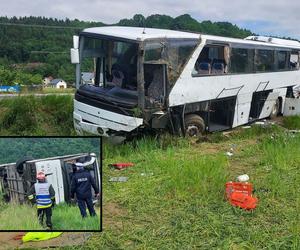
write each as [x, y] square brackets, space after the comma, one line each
[49, 115]
[64, 217]
[174, 196]
[291, 122]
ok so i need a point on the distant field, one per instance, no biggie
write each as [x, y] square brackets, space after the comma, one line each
[64, 217]
[174, 197]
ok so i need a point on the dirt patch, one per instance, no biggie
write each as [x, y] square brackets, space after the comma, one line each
[13, 241]
[113, 216]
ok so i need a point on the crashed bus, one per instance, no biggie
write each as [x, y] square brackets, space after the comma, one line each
[132, 79]
[17, 178]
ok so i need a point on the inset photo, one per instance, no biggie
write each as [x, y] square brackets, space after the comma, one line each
[50, 183]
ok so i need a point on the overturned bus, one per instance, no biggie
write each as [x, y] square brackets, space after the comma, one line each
[17, 178]
[129, 79]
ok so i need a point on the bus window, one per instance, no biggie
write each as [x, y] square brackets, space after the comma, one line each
[212, 60]
[282, 57]
[241, 60]
[294, 61]
[264, 60]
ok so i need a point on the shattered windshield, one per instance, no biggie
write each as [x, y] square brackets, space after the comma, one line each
[172, 52]
[109, 63]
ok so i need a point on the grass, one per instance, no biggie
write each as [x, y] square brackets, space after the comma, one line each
[64, 217]
[49, 115]
[174, 197]
[291, 122]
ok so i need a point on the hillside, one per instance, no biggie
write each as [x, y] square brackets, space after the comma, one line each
[46, 42]
[13, 149]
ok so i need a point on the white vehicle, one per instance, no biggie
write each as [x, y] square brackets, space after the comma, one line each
[17, 178]
[187, 82]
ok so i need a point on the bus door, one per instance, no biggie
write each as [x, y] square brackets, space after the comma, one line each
[221, 113]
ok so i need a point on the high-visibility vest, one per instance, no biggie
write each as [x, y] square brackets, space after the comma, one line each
[43, 199]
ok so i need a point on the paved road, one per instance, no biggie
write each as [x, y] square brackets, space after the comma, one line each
[3, 96]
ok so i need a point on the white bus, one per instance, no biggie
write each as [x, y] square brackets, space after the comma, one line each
[189, 83]
[17, 178]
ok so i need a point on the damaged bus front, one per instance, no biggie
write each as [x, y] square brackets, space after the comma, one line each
[123, 80]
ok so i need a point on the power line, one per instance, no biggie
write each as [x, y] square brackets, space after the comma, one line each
[41, 26]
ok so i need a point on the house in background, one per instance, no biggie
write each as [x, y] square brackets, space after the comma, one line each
[47, 80]
[58, 84]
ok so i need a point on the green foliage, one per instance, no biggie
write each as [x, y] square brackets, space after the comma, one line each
[291, 122]
[187, 23]
[12, 149]
[48, 115]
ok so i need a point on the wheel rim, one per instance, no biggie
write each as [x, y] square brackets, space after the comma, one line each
[192, 130]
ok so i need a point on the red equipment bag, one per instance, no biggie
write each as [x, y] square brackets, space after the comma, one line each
[239, 194]
[121, 165]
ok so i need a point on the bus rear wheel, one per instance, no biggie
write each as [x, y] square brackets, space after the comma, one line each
[194, 125]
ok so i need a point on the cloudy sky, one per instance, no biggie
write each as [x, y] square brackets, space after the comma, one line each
[266, 17]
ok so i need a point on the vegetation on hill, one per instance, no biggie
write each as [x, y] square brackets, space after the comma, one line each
[12, 149]
[46, 43]
[186, 23]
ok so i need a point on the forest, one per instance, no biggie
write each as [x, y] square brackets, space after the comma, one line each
[34, 47]
[12, 149]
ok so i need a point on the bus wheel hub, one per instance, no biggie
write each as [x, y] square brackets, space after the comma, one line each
[192, 130]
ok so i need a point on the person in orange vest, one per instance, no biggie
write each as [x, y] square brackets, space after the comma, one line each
[42, 193]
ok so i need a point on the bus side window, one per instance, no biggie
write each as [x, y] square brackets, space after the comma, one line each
[212, 60]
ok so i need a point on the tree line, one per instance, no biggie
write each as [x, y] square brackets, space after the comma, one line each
[12, 149]
[46, 42]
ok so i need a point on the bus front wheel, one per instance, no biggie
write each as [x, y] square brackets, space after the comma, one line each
[194, 125]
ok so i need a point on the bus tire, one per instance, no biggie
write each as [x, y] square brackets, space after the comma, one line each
[194, 125]
[275, 109]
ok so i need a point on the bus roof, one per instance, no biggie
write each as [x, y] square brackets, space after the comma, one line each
[140, 34]
[135, 33]
[279, 42]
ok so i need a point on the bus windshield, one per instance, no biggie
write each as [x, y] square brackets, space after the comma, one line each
[108, 63]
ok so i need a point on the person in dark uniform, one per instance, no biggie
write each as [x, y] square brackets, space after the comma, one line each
[43, 194]
[81, 185]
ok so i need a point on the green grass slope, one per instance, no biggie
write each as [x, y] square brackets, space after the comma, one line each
[174, 197]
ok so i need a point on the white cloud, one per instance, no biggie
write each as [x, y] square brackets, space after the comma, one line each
[283, 15]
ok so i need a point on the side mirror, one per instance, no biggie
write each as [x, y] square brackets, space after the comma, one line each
[74, 56]
[75, 42]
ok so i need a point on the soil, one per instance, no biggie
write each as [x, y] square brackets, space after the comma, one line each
[112, 215]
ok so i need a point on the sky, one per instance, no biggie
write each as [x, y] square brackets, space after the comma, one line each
[264, 17]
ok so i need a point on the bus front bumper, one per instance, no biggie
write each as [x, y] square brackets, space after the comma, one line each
[92, 120]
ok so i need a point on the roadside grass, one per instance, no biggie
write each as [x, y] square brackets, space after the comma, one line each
[67, 217]
[25, 116]
[64, 217]
[48, 90]
[174, 196]
[291, 122]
